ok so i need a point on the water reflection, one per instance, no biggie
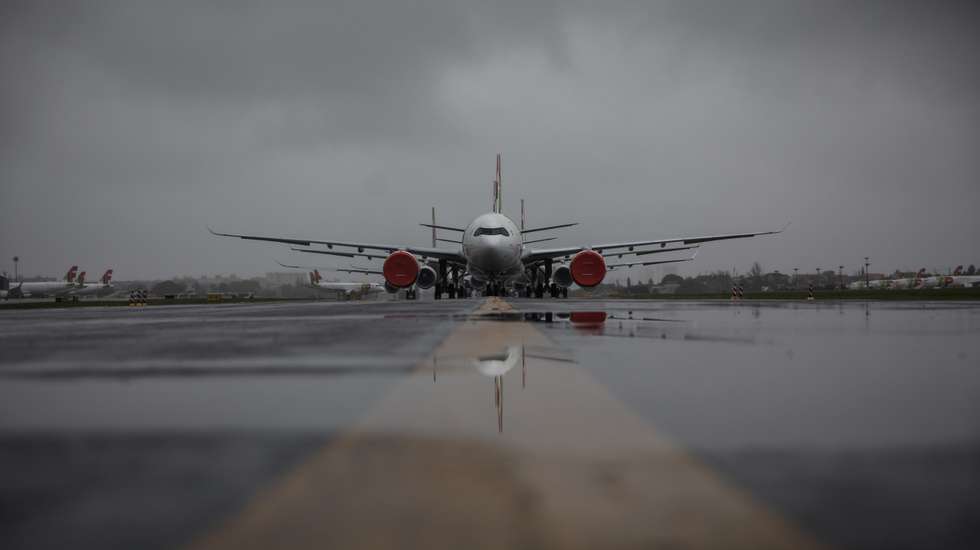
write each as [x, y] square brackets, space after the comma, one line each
[496, 365]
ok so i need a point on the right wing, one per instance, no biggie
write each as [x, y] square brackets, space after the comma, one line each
[550, 253]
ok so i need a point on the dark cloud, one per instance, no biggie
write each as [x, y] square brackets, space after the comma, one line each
[126, 126]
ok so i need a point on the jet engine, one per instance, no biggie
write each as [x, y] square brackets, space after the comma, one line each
[400, 269]
[587, 268]
[562, 276]
[427, 277]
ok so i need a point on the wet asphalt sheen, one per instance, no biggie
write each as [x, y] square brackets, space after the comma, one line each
[527, 423]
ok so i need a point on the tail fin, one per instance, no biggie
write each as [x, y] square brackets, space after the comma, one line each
[959, 270]
[70, 276]
[106, 277]
[522, 218]
[80, 281]
[316, 273]
[497, 200]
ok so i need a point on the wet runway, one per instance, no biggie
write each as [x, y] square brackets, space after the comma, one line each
[484, 423]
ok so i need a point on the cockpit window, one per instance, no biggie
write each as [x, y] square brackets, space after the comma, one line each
[490, 231]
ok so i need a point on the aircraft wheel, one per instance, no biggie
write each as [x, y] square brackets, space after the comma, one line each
[564, 292]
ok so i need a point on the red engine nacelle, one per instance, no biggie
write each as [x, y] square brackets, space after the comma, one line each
[400, 269]
[588, 268]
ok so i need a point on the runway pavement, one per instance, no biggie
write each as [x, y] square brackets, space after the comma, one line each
[491, 423]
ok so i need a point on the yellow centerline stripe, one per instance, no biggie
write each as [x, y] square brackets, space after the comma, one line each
[573, 468]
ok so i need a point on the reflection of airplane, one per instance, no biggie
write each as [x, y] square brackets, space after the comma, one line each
[45, 288]
[493, 256]
[495, 366]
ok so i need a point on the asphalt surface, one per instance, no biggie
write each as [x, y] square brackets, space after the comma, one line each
[528, 423]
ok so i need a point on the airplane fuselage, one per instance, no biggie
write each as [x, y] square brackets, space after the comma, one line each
[492, 246]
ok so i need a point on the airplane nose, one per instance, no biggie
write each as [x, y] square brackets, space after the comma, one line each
[492, 256]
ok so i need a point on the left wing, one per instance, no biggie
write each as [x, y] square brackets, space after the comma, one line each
[549, 253]
[440, 254]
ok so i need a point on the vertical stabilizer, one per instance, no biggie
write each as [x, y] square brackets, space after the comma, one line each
[107, 277]
[497, 200]
[80, 281]
[522, 219]
[70, 276]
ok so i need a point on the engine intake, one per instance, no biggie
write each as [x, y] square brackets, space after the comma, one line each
[562, 276]
[401, 269]
[588, 268]
[427, 277]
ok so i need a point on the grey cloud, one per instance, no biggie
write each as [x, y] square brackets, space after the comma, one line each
[127, 126]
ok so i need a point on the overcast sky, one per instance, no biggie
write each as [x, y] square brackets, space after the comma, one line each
[126, 128]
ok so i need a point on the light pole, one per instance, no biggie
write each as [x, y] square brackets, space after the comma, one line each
[16, 259]
[840, 276]
[867, 276]
[796, 277]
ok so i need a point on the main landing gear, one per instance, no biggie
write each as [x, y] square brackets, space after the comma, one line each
[452, 291]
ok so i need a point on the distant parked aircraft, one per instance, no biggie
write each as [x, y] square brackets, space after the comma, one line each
[43, 288]
[104, 286]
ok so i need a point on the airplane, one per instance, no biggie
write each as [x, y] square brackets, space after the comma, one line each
[348, 288]
[492, 256]
[957, 279]
[44, 288]
[104, 286]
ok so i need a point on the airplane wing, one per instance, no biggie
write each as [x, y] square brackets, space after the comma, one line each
[436, 253]
[627, 265]
[352, 269]
[549, 253]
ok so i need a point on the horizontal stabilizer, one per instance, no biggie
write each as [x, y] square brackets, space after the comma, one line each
[540, 240]
[351, 254]
[662, 250]
[446, 227]
[360, 270]
[536, 229]
[631, 264]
